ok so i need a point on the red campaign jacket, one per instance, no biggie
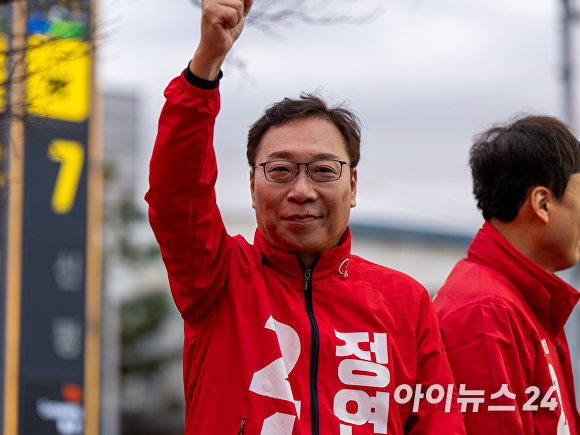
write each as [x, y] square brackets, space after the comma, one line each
[502, 321]
[269, 348]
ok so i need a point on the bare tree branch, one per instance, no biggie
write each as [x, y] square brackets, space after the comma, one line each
[268, 15]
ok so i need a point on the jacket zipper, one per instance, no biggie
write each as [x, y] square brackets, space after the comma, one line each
[241, 432]
[314, 348]
[559, 349]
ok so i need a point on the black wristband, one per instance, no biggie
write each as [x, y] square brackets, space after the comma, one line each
[194, 80]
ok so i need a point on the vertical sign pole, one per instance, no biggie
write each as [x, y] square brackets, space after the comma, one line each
[94, 238]
[567, 69]
[15, 208]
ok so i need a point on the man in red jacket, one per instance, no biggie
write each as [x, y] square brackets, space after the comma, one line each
[291, 334]
[502, 310]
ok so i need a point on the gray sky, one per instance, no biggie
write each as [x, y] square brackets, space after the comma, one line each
[425, 77]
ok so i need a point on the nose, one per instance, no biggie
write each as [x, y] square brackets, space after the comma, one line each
[302, 187]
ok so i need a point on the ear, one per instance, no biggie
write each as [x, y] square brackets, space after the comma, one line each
[353, 188]
[252, 188]
[541, 203]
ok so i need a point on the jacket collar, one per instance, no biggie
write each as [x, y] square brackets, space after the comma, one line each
[552, 299]
[328, 263]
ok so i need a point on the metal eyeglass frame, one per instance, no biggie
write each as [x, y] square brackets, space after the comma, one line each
[263, 165]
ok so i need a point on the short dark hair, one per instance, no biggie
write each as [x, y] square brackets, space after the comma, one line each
[307, 106]
[508, 161]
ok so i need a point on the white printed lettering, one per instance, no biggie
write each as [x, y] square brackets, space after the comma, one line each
[409, 394]
[378, 375]
[379, 347]
[418, 397]
[373, 410]
[563, 428]
[440, 395]
[352, 342]
[272, 380]
[350, 346]
[278, 424]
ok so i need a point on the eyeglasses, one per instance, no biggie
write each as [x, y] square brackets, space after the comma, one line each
[284, 171]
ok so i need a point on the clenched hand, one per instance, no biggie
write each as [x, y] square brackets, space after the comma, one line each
[222, 22]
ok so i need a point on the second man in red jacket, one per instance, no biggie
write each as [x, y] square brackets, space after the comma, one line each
[502, 310]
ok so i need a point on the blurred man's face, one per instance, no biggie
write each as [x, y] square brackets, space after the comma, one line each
[563, 230]
[303, 216]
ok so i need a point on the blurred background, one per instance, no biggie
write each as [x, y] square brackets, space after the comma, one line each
[424, 76]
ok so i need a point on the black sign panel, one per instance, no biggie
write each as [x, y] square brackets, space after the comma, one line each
[53, 275]
[54, 231]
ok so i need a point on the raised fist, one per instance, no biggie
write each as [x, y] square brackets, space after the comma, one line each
[222, 22]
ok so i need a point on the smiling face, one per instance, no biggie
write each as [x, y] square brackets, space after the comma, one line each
[303, 216]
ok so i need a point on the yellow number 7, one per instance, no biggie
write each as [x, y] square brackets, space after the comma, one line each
[71, 156]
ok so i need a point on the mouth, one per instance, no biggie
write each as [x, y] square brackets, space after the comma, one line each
[300, 219]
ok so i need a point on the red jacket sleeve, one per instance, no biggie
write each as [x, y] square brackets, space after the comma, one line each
[485, 347]
[433, 369]
[182, 203]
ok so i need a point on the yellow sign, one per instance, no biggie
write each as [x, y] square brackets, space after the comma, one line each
[71, 156]
[57, 78]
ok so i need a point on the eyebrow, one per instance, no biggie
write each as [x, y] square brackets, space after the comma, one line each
[288, 155]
